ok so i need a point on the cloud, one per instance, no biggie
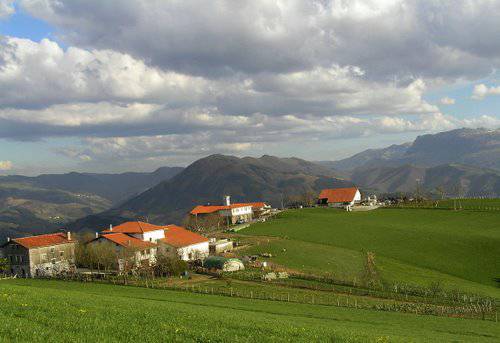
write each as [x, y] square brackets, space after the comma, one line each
[481, 91]
[266, 133]
[52, 75]
[393, 39]
[103, 92]
[5, 165]
[175, 80]
[6, 8]
[447, 101]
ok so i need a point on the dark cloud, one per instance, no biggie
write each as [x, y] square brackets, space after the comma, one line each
[389, 38]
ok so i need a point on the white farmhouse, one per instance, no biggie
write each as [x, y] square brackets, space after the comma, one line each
[185, 244]
[147, 240]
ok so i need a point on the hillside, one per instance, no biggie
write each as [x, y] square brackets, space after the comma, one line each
[30, 205]
[41, 311]
[26, 209]
[114, 187]
[419, 246]
[443, 180]
[477, 147]
[205, 181]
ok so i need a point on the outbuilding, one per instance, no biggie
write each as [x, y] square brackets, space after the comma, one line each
[224, 264]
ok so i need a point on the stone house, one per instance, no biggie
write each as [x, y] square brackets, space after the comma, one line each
[42, 255]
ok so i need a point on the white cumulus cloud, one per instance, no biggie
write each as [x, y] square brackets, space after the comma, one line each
[481, 91]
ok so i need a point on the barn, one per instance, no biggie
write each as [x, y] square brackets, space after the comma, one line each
[339, 197]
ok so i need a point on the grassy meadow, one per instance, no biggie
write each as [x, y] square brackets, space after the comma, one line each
[459, 249]
[50, 311]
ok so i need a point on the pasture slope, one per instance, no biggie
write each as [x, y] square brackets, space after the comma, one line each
[56, 311]
[458, 249]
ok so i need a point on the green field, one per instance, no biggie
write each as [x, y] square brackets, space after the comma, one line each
[459, 249]
[55, 311]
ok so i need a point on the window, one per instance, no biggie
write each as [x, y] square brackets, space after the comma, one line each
[43, 257]
[61, 253]
[52, 250]
[53, 261]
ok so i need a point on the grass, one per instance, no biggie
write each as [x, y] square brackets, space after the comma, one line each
[54, 311]
[459, 249]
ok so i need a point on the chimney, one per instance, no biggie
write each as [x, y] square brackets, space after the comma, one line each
[129, 243]
[227, 200]
[97, 235]
[8, 239]
[68, 234]
[110, 227]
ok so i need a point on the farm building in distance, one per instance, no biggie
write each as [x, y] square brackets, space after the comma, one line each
[339, 197]
[42, 255]
[232, 213]
[146, 240]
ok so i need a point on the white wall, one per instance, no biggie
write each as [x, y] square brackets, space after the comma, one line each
[240, 211]
[357, 197]
[151, 236]
[198, 250]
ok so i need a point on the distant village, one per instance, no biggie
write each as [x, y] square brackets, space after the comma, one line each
[126, 247]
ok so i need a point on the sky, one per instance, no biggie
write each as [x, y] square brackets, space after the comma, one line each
[128, 85]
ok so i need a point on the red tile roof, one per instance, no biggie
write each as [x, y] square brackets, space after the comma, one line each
[179, 237]
[134, 227]
[200, 209]
[338, 194]
[127, 241]
[257, 205]
[43, 240]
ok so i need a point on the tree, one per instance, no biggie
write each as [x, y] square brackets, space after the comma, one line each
[204, 223]
[4, 265]
[165, 265]
[370, 275]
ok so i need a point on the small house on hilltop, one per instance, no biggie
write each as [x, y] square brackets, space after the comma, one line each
[42, 255]
[339, 197]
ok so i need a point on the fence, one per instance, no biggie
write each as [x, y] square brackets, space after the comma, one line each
[485, 310]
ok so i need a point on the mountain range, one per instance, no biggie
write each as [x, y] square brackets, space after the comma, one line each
[45, 202]
[464, 162]
[205, 181]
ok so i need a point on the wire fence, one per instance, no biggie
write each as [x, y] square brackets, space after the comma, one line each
[484, 309]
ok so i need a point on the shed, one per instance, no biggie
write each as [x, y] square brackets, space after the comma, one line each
[224, 264]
